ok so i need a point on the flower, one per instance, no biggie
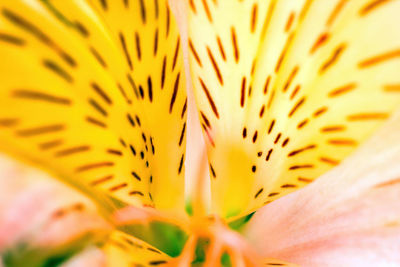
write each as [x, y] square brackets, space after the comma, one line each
[110, 97]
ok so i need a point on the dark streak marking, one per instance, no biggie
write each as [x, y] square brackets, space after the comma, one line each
[57, 69]
[320, 111]
[271, 98]
[173, 98]
[163, 72]
[97, 107]
[253, 18]
[285, 142]
[123, 93]
[156, 9]
[126, 4]
[253, 66]
[192, 6]
[27, 26]
[92, 166]
[244, 132]
[304, 166]
[181, 164]
[259, 192]
[255, 136]
[114, 152]
[368, 116]
[137, 120]
[289, 21]
[96, 122]
[134, 174]
[266, 85]
[138, 49]
[155, 48]
[153, 250]
[131, 121]
[388, 183]
[168, 21]
[104, 4]
[126, 52]
[295, 91]
[209, 97]
[215, 66]
[342, 89]
[283, 53]
[41, 130]
[142, 11]
[335, 12]
[221, 48]
[334, 58]
[123, 143]
[297, 151]
[50, 144]
[371, 6]
[213, 171]
[329, 161]
[273, 194]
[8, 122]
[193, 50]
[394, 88]
[271, 126]
[133, 85]
[262, 111]
[253, 168]
[277, 138]
[288, 186]
[234, 44]
[132, 150]
[342, 142]
[205, 119]
[81, 29]
[302, 124]
[319, 42]
[207, 10]
[290, 78]
[152, 146]
[176, 52]
[296, 107]
[101, 180]
[72, 150]
[334, 128]
[136, 193]
[379, 59]
[117, 187]
[242, 92]
[182, 134]
[101, 93]
[98, 57]
[157, 262]
[184, 109]
[150, 88]
[8, 38]
[306, 180]
[35, 95]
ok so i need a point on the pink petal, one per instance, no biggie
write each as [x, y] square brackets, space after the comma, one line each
[38, 209]
[92, 257]
[348, 217]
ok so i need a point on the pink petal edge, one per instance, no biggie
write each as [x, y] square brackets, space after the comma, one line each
[348, 217]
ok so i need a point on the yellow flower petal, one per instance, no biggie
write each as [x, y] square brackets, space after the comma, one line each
[95, 93]
[287, 89]
[124, 250]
